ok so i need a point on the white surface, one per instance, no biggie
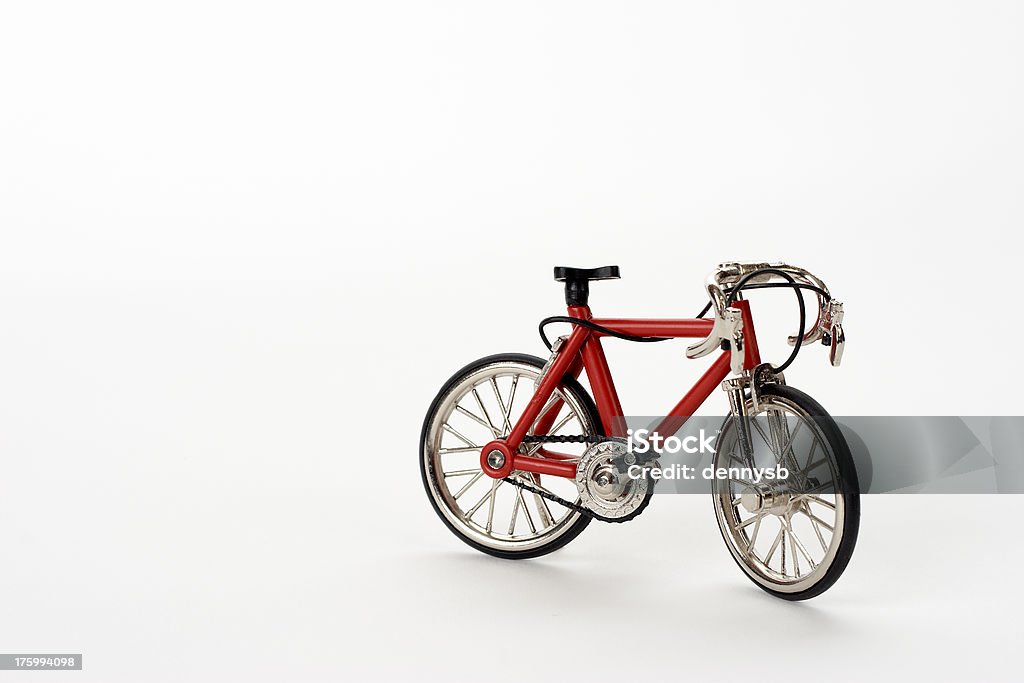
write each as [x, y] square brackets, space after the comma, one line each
[243, 246]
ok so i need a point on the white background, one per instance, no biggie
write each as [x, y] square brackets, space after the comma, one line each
[243, 244]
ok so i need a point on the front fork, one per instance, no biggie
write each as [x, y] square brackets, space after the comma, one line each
[752, 376]
[736, 388]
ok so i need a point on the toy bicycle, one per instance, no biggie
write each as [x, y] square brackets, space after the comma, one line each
[518, 458]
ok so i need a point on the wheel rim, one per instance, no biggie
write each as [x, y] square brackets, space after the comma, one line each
[483, 406]
[784, 535]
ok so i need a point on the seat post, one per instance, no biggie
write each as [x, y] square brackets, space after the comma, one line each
[577, 292]
[577, 281]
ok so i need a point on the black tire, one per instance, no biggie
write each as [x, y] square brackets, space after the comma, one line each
[570, 386]
[849, 490]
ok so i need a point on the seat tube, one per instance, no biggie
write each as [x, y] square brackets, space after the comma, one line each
[596, 365]
[601, 382]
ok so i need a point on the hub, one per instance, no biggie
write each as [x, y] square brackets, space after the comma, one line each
[605, 482]
[496, 459]
[768, 499]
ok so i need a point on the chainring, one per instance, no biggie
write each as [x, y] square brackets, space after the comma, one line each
[610, 494]
[620, 449]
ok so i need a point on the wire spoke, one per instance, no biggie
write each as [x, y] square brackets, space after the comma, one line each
[764, 437]
[474, 417]
[543, 510]
[775, 430]
[490, 506]
[501, 402]
[561, 423]
[750, 520]
[820, 487]
[511, 400]
[796, 558]
[777, 425]
[782, 549]
[468, 484]
[810, 455]
[526, 511]
[820, 501]
[487, 415]
[533, 448]
[792, 438]
[459, 436]
[753, 536]
[487, 496]
[775, 545]
[798, 545]
[461, 449]
[818, 520]
[460, 473]
[546, 518]
[515, 511]
[816, 464]
[543, 488]
[814, 525]
[781, 428]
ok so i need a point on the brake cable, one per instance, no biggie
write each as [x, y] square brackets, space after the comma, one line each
[592, 326]
[741, 284]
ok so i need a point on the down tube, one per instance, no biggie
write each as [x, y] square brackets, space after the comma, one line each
[693, 399]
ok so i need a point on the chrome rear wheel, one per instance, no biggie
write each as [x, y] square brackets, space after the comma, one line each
[481, 403]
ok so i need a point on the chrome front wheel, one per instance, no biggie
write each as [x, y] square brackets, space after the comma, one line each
[794, 536]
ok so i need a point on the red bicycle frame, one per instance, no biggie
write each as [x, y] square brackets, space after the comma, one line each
[583, 351]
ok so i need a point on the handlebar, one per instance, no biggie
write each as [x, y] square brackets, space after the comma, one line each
[827, 324]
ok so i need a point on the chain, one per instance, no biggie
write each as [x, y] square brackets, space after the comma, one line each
[550, 438]
[550, 496]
